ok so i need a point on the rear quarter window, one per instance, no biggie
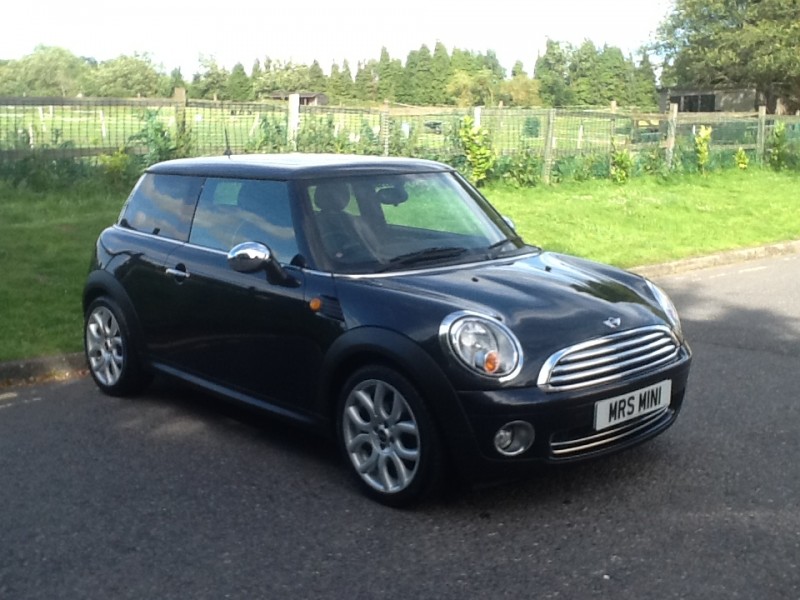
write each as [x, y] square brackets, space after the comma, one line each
[162, 205]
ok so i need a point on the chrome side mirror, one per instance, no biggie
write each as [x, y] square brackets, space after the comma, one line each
[249, 257]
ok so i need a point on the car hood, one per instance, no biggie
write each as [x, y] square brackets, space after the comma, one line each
[550, 301]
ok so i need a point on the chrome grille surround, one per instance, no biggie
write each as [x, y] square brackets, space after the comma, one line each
[609, 359]
[568, 444]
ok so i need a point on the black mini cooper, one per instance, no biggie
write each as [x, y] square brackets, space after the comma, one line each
[383, 301]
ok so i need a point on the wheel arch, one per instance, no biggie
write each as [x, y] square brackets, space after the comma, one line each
[366, 346]
[102, 283]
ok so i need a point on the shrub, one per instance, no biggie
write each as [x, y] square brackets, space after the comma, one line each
[702, 144]
[271, 135]
[741, 160]
[581, 167]
[532, 127]
[621, 165]
[157, 140]
[478, 150]
[778, 155]
[521, 169]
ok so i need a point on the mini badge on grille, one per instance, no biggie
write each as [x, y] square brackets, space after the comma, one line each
[612, 322]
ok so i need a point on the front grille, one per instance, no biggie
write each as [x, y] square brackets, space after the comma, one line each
[609, 359]
[568, 444]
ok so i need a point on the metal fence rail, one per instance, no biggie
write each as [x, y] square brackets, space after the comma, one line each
[82, 127]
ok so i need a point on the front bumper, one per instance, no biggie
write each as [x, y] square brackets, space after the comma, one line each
[563, 422]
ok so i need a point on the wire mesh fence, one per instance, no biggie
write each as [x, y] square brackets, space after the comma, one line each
[84, 128]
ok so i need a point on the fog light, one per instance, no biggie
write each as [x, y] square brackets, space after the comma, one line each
[514, 438]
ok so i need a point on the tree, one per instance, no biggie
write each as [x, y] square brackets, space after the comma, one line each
[735, 43]
[614, 76]
[49, 71]
[170, 84]
[211, 83]
[584, 75]
[644, 84]
[552, 73]
[521, 90]
[441, 71]
[461, 88]
[340, 82]
[316, 78]
[390, 71]
[239, 87]
[127, 77]
[366, 82]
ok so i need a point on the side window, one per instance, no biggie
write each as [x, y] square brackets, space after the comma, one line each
[232, 211]
[162, 205]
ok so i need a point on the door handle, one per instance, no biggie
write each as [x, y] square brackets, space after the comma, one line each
[178, 273]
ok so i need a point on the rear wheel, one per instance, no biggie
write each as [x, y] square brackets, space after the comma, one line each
[110, 350]
[388, 436]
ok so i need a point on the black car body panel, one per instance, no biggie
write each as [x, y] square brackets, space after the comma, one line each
[289, 345]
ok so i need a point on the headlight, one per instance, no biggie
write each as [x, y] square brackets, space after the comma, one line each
[482, 344]
[667, 306]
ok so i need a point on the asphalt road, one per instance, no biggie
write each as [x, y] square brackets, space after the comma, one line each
[174, 495]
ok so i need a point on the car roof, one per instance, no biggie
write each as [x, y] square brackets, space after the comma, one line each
[295, 166]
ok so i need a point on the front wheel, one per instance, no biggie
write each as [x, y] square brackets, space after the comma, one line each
[389, 437]
[111, 353]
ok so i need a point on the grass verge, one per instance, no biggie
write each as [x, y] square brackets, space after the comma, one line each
[46, 241]
[651, 220]
[46, 238]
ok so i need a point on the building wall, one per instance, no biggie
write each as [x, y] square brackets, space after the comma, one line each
[700, 99]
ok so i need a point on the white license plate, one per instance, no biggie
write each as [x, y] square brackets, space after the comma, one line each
[613, 411]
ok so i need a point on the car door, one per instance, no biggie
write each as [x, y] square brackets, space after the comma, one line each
[238, 330]
[154, 222]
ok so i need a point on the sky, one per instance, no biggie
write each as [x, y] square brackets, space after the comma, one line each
[176, 34]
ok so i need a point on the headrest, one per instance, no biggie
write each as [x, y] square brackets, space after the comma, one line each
[332, 196]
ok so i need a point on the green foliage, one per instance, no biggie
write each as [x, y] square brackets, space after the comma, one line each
[741, 160]
[580, 167]
[621, 165]
[239, 86]
[478, 149]
[126, 77]
[520, 169]
[272, 135]
[743, 43]
[119, 169]
[702, 144]
[158, 142]
[552, 70]
[532, 127]
[778, 153]
[39, 171]
[652, 162]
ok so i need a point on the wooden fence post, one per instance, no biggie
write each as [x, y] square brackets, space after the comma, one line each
[672, 126]
[385, 127]
[476, 117]
[761, 140]
[293, 120]
[549, 144]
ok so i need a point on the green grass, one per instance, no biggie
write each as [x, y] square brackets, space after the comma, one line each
[650, 220]
[46, 239]
[45, 246]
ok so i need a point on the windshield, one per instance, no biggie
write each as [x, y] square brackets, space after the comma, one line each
[370, 224]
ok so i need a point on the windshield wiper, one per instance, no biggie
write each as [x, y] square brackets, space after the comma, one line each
[425, 255]
[496, 250]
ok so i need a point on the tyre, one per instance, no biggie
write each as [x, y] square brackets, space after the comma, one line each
[388, 437]
[111, 354]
